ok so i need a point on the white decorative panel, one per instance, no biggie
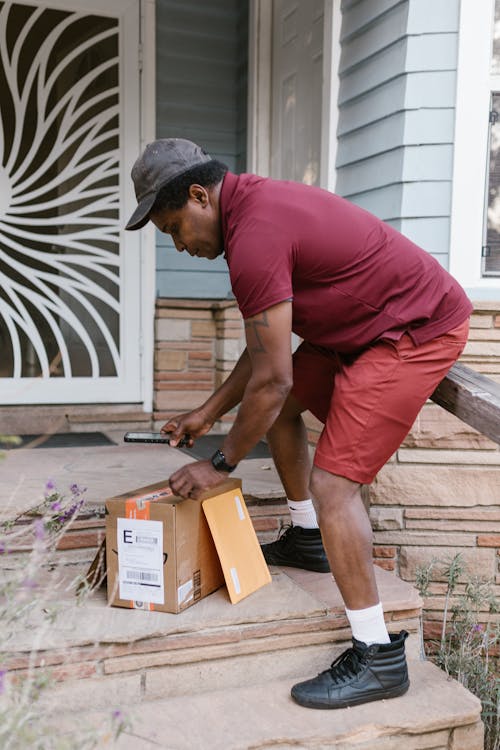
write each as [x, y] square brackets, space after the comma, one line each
[59, 193]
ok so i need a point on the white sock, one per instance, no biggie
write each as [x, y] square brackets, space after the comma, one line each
[303, 514]
[368, 625]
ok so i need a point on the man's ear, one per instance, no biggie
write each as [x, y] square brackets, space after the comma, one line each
[199, 194]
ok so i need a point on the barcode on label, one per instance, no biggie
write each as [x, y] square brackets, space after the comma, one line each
[146, 540]
[141, 575]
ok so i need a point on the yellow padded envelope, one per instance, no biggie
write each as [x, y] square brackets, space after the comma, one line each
[238, 548]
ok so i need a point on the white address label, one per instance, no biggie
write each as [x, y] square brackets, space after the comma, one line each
[140, 560]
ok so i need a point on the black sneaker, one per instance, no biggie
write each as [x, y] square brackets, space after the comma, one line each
[298, 548]
[361, 674]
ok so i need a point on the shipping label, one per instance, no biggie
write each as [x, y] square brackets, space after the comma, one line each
[140, 560]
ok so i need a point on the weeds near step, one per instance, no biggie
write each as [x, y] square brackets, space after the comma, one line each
[31, 586]
[8, 440]
[470, 637]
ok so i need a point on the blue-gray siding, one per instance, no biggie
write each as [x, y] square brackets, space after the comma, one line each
[396, 113]
[201, 64]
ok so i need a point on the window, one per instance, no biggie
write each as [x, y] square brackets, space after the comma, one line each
[491, 246]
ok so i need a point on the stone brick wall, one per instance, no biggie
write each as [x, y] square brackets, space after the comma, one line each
[197, 344]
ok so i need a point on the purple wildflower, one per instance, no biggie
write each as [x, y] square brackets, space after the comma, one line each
[117, 714]
[70, 512]
[29, 583]
[50, 485]
[3, 672]
[76, 491]
[478, 628]
[39, 529]
[56, 506]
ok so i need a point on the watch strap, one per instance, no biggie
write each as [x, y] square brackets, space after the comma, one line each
[219, 462]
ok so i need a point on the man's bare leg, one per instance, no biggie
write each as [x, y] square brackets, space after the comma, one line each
[347, 536]
[287, 440]
[301, 546]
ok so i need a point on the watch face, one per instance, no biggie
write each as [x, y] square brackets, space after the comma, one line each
[219, 462]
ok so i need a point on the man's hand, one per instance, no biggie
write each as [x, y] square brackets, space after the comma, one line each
[191, 425]
[191, 480]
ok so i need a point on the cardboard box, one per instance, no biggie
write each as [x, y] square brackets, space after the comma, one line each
[160, 554]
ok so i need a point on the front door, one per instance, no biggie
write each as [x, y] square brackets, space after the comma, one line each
[70, 303]
[296, 89]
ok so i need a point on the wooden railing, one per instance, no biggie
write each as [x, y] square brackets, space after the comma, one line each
[473, 398]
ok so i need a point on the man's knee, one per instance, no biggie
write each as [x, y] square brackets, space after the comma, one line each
[330, 491]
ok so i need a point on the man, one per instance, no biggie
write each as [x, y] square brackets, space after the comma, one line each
[381, 324]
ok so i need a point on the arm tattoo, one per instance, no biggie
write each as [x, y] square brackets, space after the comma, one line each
[253, 325]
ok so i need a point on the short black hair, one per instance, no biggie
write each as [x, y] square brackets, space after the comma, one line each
[175, 193]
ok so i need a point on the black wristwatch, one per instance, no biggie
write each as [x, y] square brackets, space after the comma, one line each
[219, 462]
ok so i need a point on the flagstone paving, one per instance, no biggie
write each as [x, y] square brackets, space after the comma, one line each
[265, 716]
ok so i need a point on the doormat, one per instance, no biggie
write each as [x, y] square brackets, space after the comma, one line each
[60, 440]
[206, 445]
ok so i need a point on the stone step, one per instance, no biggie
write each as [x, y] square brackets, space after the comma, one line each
[437, 713]
[18, 420]
[269, 517]
[286, 629]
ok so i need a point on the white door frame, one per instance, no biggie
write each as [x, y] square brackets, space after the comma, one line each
[471, 151]
[259, 89]
[137, 249]
[147, 99]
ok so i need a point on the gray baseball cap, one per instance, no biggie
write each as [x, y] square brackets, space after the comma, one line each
[159, 163]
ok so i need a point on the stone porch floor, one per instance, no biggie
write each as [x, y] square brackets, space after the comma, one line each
[109, 470]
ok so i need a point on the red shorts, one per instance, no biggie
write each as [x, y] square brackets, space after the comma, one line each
[368, 402]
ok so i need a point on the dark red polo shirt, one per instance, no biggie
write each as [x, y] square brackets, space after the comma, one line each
[353, 278]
